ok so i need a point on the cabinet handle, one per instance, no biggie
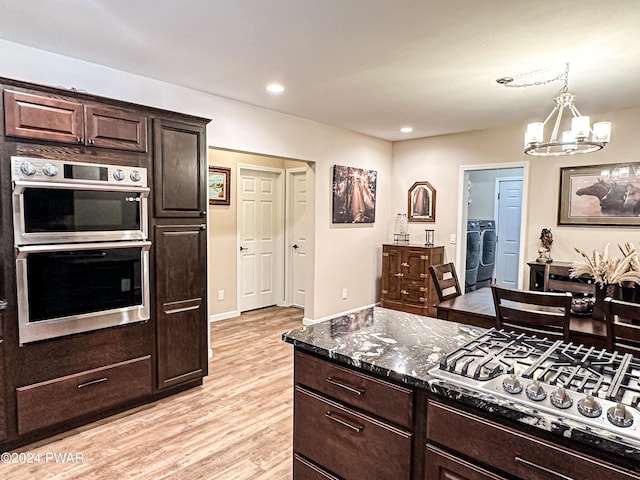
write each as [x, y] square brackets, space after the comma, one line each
[399, 275]
[423, 275]
[91, 141]
[356, 391]
[203, 226]
[404, 264]
[79, 139]
[93, 382]
[404, 292]
[203, 213]
[355, 428]
[535, 466]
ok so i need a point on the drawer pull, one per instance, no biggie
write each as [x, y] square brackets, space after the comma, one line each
[356, 391]
[399, 275]
[405, 264]
[355, 428]
[535, 466]
[93, 382]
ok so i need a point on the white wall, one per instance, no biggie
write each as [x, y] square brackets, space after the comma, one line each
[482, 195]
[438, 160]
[345, 257]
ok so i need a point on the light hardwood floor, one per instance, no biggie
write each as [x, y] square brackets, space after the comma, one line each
[238, 425]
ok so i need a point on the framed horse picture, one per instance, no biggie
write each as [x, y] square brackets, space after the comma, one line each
[607, 195]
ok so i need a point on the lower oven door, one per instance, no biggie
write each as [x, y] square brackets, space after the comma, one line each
[72, 288]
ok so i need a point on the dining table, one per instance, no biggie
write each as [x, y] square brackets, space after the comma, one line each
[477, 308]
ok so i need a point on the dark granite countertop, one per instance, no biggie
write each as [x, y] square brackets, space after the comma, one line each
[404, 347]
[394, 344]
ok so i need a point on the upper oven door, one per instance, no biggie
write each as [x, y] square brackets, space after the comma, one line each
[45, 213]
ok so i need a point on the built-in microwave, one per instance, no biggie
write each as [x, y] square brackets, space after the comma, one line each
[64, 289]
[58, 201]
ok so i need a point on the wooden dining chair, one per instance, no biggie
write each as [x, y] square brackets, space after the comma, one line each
[623, 326]
[543, 314]
[445, 281]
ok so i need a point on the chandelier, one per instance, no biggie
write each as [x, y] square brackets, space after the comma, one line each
[581, 138]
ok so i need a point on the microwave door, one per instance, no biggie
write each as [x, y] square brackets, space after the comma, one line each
[45, 213]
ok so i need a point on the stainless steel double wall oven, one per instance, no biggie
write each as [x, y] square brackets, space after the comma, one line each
[81, 236]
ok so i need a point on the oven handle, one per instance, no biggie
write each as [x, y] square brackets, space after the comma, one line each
[23, 251]
[20, 185]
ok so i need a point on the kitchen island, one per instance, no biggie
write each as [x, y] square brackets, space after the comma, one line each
[365, 406]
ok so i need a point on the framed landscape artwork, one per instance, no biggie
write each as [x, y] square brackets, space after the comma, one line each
[422, 203]
[354, 195]
[600, 195]
[219, 186]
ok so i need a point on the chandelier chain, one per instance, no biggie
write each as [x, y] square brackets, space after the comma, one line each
[563, 76]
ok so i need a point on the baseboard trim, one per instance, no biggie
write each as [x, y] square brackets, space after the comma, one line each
[223, 316]
[311, 321]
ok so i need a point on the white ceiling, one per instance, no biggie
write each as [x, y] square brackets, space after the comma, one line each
[370, 66]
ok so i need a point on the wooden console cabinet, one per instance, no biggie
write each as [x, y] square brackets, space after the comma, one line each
[406, 283]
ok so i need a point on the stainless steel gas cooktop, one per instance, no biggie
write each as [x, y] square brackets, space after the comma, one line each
[597, 388]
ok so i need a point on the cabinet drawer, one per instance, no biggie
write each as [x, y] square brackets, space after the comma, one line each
[111, 127]
[441, 465]
[380, 398]
[303, 469]
[351, 445]
[521, 455]
[60, 399]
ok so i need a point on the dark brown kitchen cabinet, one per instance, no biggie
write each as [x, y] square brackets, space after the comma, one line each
[349, 425]
[406, 283]
[180, 169]
[519, 455]
[181, 289]
[55, 119]
[54, 401]
[3, 412]
[441, 465]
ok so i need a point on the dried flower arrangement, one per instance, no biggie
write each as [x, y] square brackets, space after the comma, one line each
[607, 270]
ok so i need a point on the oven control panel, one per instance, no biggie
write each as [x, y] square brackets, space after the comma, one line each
[48, 170]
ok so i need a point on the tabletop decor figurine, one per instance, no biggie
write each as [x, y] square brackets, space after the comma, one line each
[544, 251]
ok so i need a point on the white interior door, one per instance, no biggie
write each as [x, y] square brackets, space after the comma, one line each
[508, 230]
[260, 236]
[299, 235]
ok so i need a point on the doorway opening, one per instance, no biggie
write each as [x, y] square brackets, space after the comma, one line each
[490, 228]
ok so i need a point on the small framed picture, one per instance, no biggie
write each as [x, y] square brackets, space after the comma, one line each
[422, 202]
[219, 186]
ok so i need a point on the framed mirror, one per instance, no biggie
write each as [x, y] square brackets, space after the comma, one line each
[422, 202]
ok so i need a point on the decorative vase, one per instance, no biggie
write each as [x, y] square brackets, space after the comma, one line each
[603, 291]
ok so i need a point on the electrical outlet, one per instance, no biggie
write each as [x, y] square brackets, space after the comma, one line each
[220, 294]
[452, 238]
[344, 293]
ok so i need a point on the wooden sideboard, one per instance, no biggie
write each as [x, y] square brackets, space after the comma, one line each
[406, 282]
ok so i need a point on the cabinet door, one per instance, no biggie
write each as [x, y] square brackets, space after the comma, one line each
[110, 127]
[42, 118]
[415, 276]
[3, 413]
[391, 281]
[443, 466]
[181, 303]
[180, 176]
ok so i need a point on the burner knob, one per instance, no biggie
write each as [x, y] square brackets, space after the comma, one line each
[511, 384]
[118, 174]
[589, 407]
[561, 399]
[536, 392]
[620, 416]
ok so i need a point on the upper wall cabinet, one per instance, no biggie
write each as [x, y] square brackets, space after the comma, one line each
[39, 117]
[180, 169]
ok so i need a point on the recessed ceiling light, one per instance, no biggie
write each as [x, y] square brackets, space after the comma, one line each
[274, 88]
[406, 129]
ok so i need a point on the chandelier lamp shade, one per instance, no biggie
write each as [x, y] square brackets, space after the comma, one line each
[581, 137]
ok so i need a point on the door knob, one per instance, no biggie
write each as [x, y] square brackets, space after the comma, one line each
[242, 248]
[295, 245]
